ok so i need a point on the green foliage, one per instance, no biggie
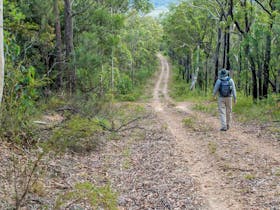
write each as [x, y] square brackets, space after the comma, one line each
[254, 43]
[23, 67]
[19, 105]
[125, 85]
[87, 194]
[77, 134]
[249, 176]
[142, 5]
[249, 111]
[180, 89]
[117, 52]
[189, 122]
[207, 107]
[277, 172]
[52, 103]
[83, 132]
[127, 158]
[20, 95]
[114, 55]
[212, 146]
[129, 97]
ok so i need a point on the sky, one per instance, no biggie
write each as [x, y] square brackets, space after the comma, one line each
[161, 6]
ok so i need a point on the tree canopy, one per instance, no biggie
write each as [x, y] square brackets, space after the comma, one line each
[241, 36]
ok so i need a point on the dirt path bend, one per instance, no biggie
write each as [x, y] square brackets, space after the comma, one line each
[234, 169]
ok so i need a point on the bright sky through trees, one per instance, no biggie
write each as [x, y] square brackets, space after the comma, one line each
[161, 6]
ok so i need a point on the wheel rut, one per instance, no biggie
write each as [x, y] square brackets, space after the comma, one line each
[224, 165]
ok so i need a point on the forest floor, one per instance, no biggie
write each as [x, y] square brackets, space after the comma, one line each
[171, 157]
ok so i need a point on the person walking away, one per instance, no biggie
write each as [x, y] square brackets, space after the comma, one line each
[226, 88]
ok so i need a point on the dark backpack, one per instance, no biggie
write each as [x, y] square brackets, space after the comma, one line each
[225, 87]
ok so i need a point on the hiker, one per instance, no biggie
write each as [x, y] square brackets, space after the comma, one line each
[226, 87]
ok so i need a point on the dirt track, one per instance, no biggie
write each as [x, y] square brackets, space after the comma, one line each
[234, 170]
[174, 158]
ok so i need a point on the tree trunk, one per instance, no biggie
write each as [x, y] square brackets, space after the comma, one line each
[254, 79]
[195, 75]
[266, 65]
[71, 74]
[246, 67]
[278, 82]
[268, 46]
[206, 74]
[186, 60]
[2, 61]
[224, 49]
[59, 79]
[253, 71]
[260, 76]
[112, 70]
[189, 67]
[240, 66]
[260, 83]
[217, 53]
[228, 67]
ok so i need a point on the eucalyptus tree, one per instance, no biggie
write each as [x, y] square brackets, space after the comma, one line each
[103, 44]
[141, 40]
[59, 44]
[243, 21]
[189, 28]
[69, 46]
[247, 40]
[269, 8]
[255, 21]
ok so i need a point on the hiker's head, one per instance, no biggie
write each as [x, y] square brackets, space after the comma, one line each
[223, 73]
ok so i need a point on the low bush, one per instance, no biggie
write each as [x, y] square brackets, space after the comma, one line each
[79, 134]
[87, 195]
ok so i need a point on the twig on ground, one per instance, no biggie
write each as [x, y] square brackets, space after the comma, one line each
[19, 198]
[68, 108]
[122, 127]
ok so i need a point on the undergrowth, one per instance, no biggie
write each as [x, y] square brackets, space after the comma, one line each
[180, 89]
[88, 195]
[78, 134]
[267, 110]
[16, 125]
[132, 90]
[82, 130]
[85, 129]
[263, 111]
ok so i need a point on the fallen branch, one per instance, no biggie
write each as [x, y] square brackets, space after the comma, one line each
[31, 179]
[131, 128]
[132, 121]
[237, 169]
[68, 108]
[40, 122]
[123, 127]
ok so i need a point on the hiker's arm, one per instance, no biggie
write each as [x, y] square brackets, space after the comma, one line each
[216, 87]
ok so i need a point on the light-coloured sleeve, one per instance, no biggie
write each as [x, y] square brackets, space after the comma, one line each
[216, 87]
[233, 90]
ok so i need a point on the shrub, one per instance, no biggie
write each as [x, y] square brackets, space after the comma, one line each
[79, 134]
[88, 194]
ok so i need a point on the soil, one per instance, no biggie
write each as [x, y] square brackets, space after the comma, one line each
[234, 169]
[174, 158]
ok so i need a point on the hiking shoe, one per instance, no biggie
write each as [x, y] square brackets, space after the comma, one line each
[223, 129]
